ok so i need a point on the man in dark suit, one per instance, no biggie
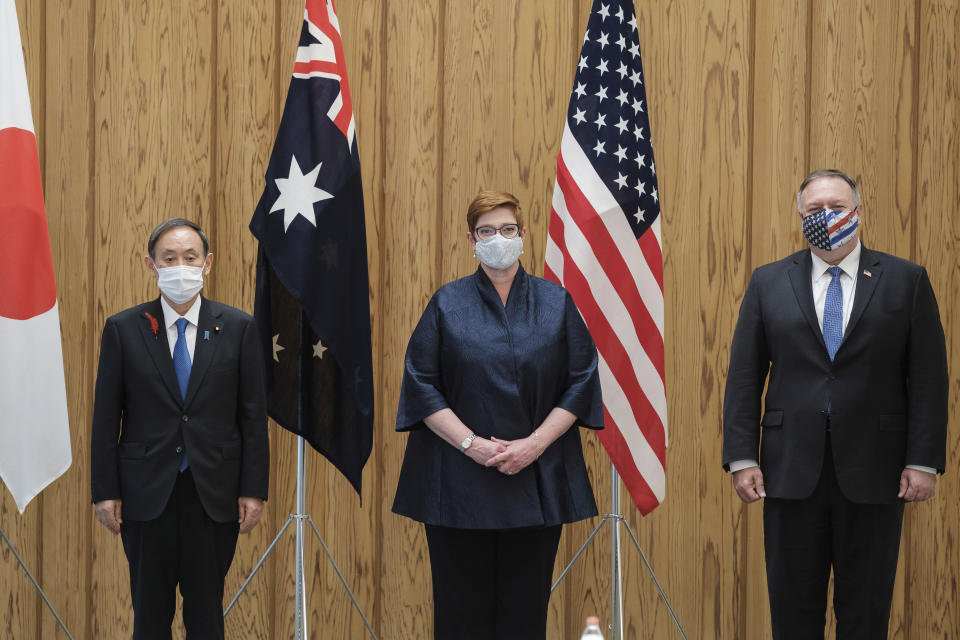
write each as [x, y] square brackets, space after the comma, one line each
[180, 455]
[850, 345]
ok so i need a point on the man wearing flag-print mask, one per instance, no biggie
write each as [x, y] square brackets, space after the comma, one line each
[850, 346]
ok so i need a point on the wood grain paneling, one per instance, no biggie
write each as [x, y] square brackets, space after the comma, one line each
[245, 117]
[932, 530]
[412, 126]
[68, 536]
[148, 110]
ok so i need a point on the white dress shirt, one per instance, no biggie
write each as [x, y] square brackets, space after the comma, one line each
[170, 318]
[820, 279]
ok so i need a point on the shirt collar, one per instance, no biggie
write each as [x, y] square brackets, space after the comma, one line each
[170, 316]
[849, 265]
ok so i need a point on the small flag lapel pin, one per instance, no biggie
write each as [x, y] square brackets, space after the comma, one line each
[867, 273]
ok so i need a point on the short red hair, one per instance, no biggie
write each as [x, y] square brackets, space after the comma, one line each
[487, 201]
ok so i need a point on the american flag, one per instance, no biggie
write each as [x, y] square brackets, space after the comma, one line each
[828, 229]
[312, 305]
[604, 244]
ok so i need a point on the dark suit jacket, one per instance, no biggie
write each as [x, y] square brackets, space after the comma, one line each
[886, 388]
[501, 370]
[141, 425]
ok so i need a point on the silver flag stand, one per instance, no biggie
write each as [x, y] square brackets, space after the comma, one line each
[300, 612]
[616, 519]
[35, 583]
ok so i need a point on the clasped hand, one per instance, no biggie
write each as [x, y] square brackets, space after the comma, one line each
[514, 456]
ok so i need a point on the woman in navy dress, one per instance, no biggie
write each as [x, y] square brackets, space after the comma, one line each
[497, 371]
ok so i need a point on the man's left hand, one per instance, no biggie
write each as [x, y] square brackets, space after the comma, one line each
[250, 511]
[916, 485]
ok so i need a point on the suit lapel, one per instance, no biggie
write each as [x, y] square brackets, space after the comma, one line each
[866, 285]
[799, 273]
[209, 325]
[158, 347]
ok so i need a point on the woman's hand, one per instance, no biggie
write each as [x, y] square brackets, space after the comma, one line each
[516, 455]
[481, 450]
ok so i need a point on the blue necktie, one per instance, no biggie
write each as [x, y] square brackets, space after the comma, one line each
[181, 363]
[833, 313]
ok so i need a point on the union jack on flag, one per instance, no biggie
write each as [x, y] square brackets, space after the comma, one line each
[604, 244]
[312, 305]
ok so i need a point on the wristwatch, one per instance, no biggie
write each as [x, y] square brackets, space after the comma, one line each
[467, 442]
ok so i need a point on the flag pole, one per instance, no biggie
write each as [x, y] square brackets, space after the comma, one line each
[35, 583]
[300, 612]
[616, 586]
[615, 518]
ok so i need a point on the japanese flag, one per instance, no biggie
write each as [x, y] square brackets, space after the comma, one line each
[34, 431]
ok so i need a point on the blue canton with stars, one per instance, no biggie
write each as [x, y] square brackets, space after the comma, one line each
[608, 112]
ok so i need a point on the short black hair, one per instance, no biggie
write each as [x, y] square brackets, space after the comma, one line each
[173, 223]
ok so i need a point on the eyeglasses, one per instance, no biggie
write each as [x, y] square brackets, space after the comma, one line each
[507, 231]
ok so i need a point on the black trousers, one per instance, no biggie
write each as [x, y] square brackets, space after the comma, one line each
[183, 545]
[803, 539]
[491, 583]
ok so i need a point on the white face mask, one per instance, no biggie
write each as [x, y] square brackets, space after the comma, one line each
[181, 283]
[498, 252]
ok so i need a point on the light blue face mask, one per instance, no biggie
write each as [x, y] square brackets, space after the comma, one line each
[828, 229]
[498, 252]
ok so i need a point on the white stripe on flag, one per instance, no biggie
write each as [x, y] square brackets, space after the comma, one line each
[614, 311]
[616, 223]
[643, 455]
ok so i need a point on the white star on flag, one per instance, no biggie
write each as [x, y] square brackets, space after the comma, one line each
[318, 350]
[298, 193]
[276, 347]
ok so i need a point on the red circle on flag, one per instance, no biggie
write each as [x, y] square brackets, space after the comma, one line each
[27, 285]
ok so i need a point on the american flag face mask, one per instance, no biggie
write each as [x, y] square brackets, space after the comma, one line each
[828, 229]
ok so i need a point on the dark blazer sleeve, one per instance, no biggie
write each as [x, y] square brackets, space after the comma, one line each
[420, 392]
[107, 414]
[749, 364]
[252, 417]
[582, 396]
[927, 380]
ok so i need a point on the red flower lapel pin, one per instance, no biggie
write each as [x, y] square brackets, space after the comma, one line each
[154, 325]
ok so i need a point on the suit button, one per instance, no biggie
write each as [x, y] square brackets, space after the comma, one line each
[186, 418]
[179, 450]
[832, 377]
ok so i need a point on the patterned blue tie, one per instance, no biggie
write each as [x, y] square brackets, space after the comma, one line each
[181, 363]
[833, 313]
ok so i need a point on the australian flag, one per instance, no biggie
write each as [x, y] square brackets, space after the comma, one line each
[312, 298]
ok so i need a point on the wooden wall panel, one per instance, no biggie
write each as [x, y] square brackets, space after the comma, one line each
[244, 118]
[411, 125]
[67, 538]
[932, 529]
[148, 111]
